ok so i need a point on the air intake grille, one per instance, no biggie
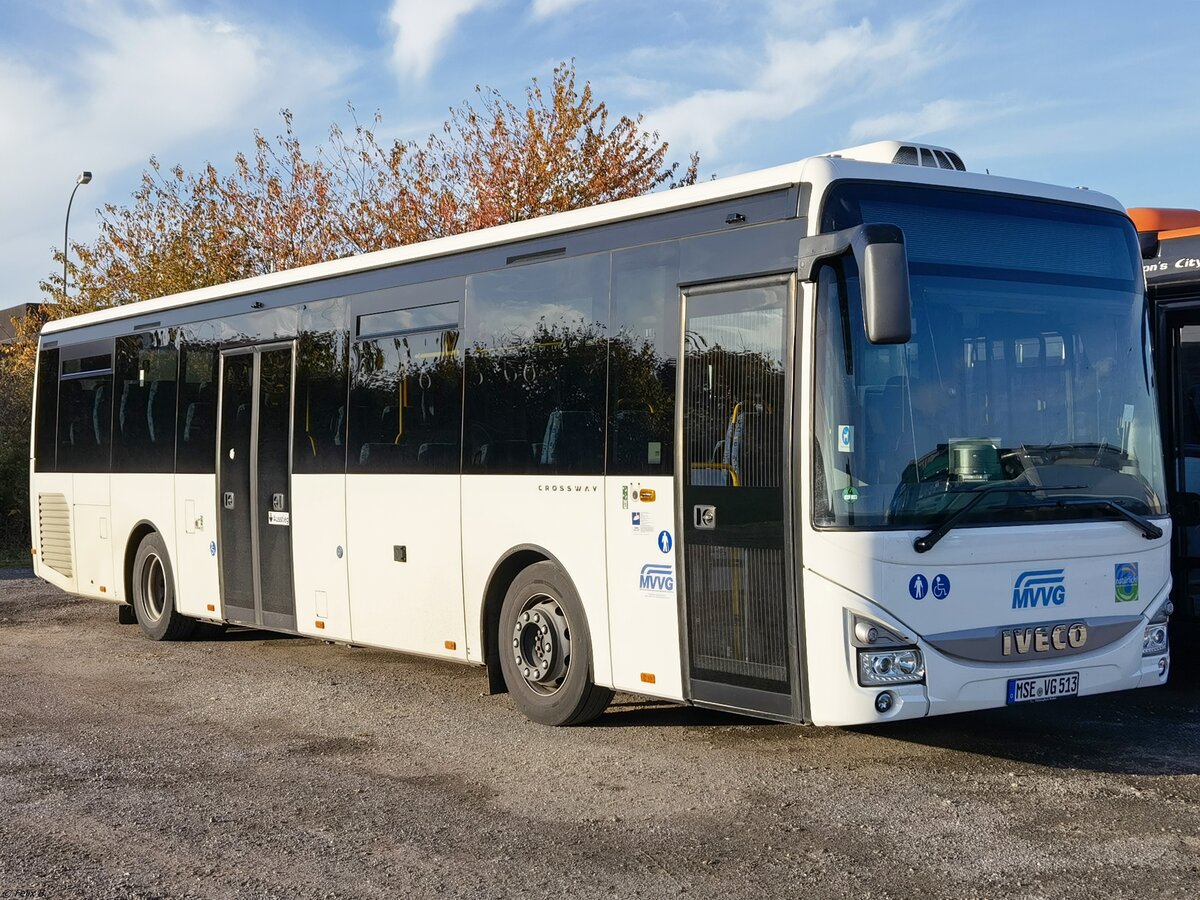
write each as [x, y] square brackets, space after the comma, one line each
[54, 533]
[929, 157]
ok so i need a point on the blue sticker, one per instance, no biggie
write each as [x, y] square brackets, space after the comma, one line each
[212, 548]
[637, 519]
[940, 586]
[664, 541]
[918, 587]
[656, 577]
[1039, 588]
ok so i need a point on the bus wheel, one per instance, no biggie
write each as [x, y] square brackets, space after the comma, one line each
[154, 593]
[545, 651]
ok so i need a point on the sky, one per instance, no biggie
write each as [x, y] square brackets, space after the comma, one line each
[1101, 93]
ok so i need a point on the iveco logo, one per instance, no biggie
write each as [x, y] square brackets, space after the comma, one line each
[1039, 588]
[1043, 638]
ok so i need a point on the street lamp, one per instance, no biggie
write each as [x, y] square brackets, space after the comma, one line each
[84, 178]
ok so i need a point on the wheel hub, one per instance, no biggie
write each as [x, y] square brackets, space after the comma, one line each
[541, 644]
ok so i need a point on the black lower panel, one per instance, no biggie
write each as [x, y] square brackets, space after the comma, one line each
[738, 616]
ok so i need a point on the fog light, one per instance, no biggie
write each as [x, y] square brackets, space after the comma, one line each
[1162, 667]
[884, 702]
[1154, 642]
[866, 632]
[890, 666]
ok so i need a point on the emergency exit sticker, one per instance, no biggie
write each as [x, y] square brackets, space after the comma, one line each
[845, 439]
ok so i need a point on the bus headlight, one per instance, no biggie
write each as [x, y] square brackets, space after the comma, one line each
[1155, 641]
[877, 667]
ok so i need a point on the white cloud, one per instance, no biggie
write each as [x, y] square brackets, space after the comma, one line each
[116, 87]
[547, 9]
[420, 30]
[932, 118]
[795, 74]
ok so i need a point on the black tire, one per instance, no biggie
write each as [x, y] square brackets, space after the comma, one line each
[154, 593]
[546, 650]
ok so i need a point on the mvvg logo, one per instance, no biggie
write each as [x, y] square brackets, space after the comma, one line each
[657, 577]
[1039, 588]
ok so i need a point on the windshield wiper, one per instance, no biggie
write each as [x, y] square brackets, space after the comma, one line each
[925, 542]
[1150, 531]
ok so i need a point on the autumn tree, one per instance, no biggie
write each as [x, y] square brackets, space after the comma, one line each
[495, 162]
[282, 206]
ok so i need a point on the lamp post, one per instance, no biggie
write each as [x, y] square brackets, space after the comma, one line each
[84, 178]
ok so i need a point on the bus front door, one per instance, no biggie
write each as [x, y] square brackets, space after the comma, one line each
[733, 459]
[253, 486]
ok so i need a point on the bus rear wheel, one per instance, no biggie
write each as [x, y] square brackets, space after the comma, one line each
[545, 649]
[154, 593]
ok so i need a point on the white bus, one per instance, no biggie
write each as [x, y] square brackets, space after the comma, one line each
[860, 438]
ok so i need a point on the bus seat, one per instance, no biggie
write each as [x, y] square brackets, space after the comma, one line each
[506, 455]
[438, 455]
[197, 424]
[71, 405]
[160, 412]
[337, 425]
[574, 441]
[384, 455]
[101, 414]
[131, 412]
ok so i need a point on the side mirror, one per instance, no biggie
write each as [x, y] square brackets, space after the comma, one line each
[883, 269]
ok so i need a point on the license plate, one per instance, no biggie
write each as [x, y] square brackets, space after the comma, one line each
[1043, 687]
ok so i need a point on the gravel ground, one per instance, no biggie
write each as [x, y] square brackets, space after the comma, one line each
[242, 764]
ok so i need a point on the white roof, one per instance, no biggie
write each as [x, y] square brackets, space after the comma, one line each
[819, 171]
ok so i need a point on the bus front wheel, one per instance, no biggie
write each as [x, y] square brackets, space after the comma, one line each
[545, 649]
[154, 593]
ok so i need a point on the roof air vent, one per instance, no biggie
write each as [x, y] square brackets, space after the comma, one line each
[904, 154]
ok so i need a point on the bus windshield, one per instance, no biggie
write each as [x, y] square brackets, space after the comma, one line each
[1028, 376]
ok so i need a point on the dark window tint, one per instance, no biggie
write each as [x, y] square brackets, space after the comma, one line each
[536, 366]
[85, 409]
[321, 375]
[406, 404]
[47, 411]
[147, 367]
[196, 436]
[642, 353]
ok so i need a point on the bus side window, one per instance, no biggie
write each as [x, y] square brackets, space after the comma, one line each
[406, 404]
[196, 448]
[46, 411]
[85, 411]
[536, 364]
[147, 366]
[642, 350]
[320, 411]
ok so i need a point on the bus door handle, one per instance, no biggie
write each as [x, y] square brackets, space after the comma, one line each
[704, 517]
[228, 499]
